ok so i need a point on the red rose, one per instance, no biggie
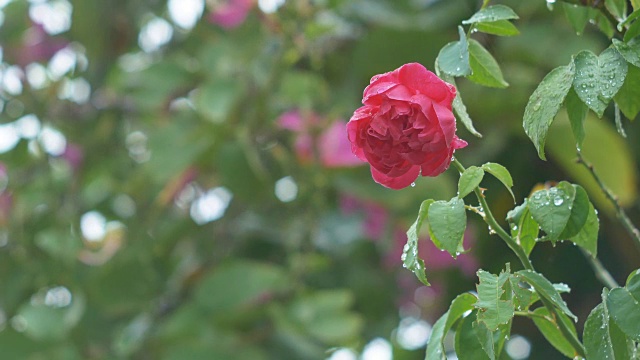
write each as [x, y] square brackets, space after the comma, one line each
[406, 126]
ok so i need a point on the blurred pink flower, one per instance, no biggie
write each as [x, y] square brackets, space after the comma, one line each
[36, 46]
[73, 156]
[230, 14]
[332, 143]
[376, 217]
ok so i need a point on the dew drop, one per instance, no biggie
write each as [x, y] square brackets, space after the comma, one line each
[413, 184]
[558, 201]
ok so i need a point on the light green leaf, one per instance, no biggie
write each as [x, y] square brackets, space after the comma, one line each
[549, 328]
[501, 173]
[598, 78]
[624, 306]
[459, 305]
[545, 288]
[524, 228]
[484, 68]
[630, 51]
[492, 310]
[447, 223]
[468, 343]
[500, 28]
[552, 209]
[491, 14]
[601, 336]
[632, 32]
[410, 258]
[577, 111]
[617, 7]
[627, 97]
[216, 100]
[453, 58]
[544, 104]
[459, 107]
[469, 180]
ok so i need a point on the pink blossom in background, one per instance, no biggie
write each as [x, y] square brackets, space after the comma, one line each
[332, 143]
[37, 46]
[230, 14]
[376, 217]
[73, 156]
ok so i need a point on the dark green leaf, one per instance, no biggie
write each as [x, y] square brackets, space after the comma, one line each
[459, 305]
[545, 288]
[549, 328]
[627, 97]
[501, 173]
[587, 238]
[467, 342]
[492, 310]
[484, 68]
[632, 32]
[577, 15]
[410, 259]
[624, 306]
[469, 180]
[544, 104]
[602, 338]
[579, 213]
[459, 107]
[453, 58]
[577, 111]
[552, 209]
[447, 223]
[500, 28]
[491, 14]
[598, 78]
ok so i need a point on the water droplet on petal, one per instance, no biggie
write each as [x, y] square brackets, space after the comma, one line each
[413, 184]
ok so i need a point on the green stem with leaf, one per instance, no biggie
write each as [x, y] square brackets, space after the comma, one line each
[524, 259]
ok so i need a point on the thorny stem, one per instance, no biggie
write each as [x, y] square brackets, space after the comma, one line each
[622, 215]
[524, 259]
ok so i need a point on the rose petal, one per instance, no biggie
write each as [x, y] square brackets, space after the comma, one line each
[396, 183]
[417, 77]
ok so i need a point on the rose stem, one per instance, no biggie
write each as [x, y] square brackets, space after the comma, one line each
[513, 245]
[622, 215]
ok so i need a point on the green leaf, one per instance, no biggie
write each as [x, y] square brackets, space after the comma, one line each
[459, 107]
[587, 237]
[453, 58]
[410, 258]
[216, 100]
[627, 97]
[577, 15]
[624, 306]
[500, 28]
[598, 78]
[545, 288]
[577, 111]
[491, 14]
[524, 228]
[604, 24]
[470, 339]
[579, 213]
[617, 7]
[544, 104]
[447, 223]
[552, 209]
[630, 51]
[469, 180]
[549, 328]
[501, 173]
[459, 305]
[522, 295]
[632, 32]
[484, 68]
[601, 336]
[492, 310]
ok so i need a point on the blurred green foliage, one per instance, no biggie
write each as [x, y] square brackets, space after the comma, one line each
[152, 205]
